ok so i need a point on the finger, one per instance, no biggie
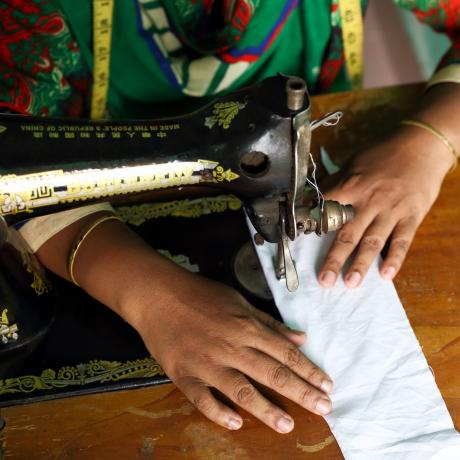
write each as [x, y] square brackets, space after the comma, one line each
[295, 336]
[199, 394]
[288, 354]
[344, 244]
[344, 190]
[237, 387]
[401, 240]
[271, 373]
[369, 248]
[331, 183]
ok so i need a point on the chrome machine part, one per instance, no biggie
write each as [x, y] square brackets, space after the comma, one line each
[332, 216]
[249, 273]
[290, 224]
[285, 265]
[296, 90]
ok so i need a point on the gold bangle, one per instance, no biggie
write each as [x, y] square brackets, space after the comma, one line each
[438, 134]
[80, 240]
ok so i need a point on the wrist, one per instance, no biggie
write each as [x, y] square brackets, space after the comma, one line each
[155, 288]
[433, 132]
[425, 149]
[439, 110]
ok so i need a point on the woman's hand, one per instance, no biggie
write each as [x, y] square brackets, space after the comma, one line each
[392, 187]
[204, 334]
[207, 336]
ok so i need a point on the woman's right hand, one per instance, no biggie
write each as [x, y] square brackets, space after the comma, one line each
[208, 336]
[203, 333]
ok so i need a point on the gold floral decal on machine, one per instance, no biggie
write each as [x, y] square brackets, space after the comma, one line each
[7, 331]
[96, 371]
[138, 214]
[24, 193]
[223, 114]
[216, 173]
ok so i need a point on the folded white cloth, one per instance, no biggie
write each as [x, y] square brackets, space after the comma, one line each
[386, 404]
[39, 230]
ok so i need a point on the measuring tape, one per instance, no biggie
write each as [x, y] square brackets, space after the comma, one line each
[352, 33]
[102, 41]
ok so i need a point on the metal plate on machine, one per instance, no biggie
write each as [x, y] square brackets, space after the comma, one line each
[249, 273]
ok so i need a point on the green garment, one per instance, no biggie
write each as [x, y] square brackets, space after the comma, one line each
[139, 87]
[170, 56]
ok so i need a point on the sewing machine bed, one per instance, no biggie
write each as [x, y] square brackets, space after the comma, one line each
[89, 349]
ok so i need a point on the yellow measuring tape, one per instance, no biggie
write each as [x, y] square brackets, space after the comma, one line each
[102, 41]
[352, 33]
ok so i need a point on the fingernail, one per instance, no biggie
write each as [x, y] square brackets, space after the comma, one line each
[285, 424]
[326, 385]
[353, 280]
[328, 278]
[324, 406]
[234, 424]
[388, 273]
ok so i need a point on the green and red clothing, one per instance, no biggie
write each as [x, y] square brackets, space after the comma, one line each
[172, 53]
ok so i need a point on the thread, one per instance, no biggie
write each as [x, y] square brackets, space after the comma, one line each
[314, 184]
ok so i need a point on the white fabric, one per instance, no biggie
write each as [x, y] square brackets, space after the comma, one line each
[386, 405]
[39, 230]
[448, 74]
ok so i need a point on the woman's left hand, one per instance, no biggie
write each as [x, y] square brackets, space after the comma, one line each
[391, 187]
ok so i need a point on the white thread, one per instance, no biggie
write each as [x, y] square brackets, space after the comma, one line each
[314, 184]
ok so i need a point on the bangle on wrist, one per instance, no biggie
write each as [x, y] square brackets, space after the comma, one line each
[79, 241]
[436, 133]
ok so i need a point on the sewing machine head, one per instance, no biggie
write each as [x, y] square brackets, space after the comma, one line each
[254, 143]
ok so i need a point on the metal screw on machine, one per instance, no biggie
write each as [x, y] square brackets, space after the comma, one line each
[296, 89]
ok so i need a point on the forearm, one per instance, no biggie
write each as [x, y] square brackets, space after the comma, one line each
[440, 108]
[115, 266]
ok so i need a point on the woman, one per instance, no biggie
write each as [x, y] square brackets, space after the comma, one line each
[173, 54]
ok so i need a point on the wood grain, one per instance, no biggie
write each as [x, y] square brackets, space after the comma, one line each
[159, 423]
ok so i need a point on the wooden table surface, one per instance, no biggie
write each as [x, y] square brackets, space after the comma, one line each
[159, 423]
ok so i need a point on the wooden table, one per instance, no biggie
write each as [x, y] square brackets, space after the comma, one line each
[159, 423]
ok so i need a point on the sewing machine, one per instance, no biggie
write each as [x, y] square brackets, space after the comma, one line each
[254, 143]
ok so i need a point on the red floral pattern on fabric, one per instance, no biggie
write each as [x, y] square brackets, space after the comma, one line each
[443, 16]
[41, 70]
[334, 57]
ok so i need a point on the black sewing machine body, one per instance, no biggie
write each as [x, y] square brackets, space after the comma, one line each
[241, 144]
[253, 143]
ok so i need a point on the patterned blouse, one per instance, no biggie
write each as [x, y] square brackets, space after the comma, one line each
[168, 54]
